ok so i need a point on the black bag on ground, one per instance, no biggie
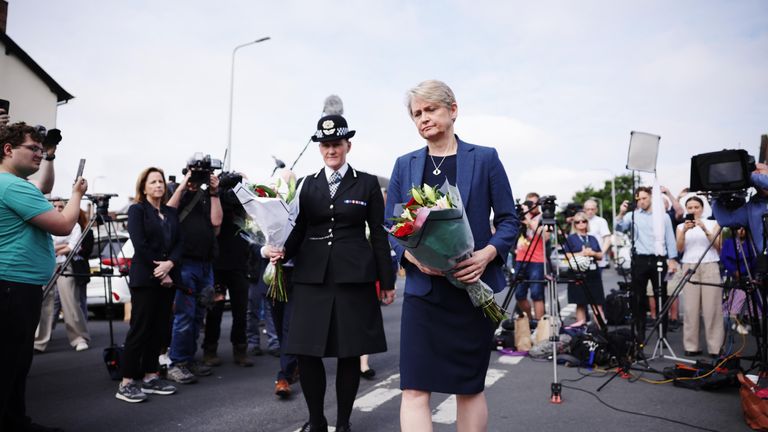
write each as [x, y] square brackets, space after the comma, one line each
[590, 349]
[620, 343]
[617, 307]
[113, 359]
[725, 376]
[505, 337]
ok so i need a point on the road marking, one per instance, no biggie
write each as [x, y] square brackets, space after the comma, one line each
[380, 394]
[510, 360]
[445, 413]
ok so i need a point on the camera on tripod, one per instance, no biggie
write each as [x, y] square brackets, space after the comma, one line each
[201, 167]
[724, 175]
[548, 209]
[101, 201]
[524, 208]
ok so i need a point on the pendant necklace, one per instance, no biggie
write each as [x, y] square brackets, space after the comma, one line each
[437, 166]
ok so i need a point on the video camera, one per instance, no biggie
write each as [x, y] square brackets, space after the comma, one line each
[524, 208]
[724, 174]
[201, 168]
[548, 208]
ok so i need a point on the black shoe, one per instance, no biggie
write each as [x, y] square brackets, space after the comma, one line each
[309, 427]
[692, 353]
[256, 351]
[345, 428]
[368, 374]
[274, 352]
[674, 325]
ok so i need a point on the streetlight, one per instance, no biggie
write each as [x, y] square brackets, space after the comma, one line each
[228, 154]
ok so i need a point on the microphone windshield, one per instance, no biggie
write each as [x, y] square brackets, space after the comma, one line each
[333, 105]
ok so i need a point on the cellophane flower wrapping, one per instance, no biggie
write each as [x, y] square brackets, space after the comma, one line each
[443, 239]
[275, 216]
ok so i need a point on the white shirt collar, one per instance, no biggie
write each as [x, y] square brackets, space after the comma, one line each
[342, 171]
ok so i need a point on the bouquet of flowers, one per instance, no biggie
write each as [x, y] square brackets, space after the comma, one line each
[271, 210]
[433, 227]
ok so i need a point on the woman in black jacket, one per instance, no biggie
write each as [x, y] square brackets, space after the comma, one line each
[155, 234]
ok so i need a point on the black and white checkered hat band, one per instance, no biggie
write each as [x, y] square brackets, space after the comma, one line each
[339, 132]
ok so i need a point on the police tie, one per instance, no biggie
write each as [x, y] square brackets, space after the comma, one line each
[333, 183]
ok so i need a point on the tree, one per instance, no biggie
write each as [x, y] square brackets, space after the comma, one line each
[623, 192]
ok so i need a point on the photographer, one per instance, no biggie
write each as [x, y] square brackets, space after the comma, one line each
[230, 270]
[653, 257]
[27, 261]
[200, 217]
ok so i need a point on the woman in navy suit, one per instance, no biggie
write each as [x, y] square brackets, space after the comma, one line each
[444, 340]
[336, 311]
[155, 234]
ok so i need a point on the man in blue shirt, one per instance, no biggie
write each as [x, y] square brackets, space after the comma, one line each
[647, 263]
[27, 221]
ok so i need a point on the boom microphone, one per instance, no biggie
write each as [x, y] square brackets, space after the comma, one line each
[333, 105]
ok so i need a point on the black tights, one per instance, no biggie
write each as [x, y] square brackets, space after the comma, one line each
[312, 378]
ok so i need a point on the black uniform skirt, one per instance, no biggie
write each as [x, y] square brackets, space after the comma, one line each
[444, 342]
[335, 320]
[594, 284]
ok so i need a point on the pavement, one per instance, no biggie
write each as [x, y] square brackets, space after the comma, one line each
[72, 390]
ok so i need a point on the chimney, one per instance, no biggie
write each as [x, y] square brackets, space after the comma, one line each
[3, 15]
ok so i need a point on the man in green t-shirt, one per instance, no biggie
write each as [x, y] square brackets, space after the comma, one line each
[27, 221]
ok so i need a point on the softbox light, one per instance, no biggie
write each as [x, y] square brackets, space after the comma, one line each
[643, 151]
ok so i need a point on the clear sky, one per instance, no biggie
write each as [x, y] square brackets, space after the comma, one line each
[555, 86]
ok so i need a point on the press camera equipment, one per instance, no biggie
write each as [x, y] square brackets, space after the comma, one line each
[523, 209]
[51, 138]
[201, 168]
[723, 171]
[724, 174]
[101, 202]
[228, 180]
[571, 209]
[548, 208]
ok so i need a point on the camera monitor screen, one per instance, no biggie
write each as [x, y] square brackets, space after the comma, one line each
[725, 172]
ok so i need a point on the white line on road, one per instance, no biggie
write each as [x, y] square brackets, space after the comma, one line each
[445, 413]
[380, 394]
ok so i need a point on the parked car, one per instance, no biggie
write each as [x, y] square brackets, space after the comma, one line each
[109, 265]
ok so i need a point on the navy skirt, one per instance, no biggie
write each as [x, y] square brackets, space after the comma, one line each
[444, 342]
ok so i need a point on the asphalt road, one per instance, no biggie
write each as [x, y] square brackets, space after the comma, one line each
[72, 390]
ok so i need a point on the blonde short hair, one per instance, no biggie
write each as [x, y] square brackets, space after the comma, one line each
[432, 91]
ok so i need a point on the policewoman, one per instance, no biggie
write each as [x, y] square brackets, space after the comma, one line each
[336, 310]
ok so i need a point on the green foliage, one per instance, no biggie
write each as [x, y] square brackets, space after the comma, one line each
[623, 192]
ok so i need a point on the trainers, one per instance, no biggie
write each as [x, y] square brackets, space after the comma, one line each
[199, 369]
[81, 346]
[130, 392]
[157, 386]
[180, 374]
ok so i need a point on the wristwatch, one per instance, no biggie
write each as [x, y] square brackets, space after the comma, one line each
[50, 158]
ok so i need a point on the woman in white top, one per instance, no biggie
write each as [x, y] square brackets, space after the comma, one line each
[693, 238]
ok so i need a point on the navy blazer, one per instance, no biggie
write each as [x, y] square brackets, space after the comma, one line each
[483, 185]
[146, 231]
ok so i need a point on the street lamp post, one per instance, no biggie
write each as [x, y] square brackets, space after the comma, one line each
[228, 154]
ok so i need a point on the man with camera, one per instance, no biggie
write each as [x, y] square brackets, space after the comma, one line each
[653, 257]
[27, 261]
[230, 274]
[200, 215]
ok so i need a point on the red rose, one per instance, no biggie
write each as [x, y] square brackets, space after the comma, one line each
[410, 202]
[261, 192]
[405, 230]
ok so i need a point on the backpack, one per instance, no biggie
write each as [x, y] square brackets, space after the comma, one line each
[617, 307]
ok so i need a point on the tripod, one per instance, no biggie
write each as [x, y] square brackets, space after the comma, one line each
[552, 278]
[100, 217]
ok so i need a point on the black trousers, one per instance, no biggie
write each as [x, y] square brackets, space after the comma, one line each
[647, 268]
[150, 324]
[19, 314]
[236, 283]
